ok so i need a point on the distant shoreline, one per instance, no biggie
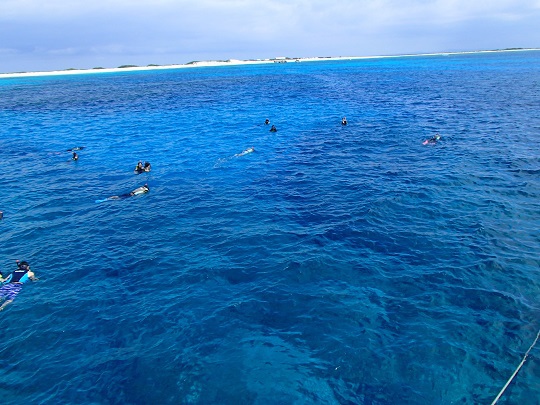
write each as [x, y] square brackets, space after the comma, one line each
[237, 62]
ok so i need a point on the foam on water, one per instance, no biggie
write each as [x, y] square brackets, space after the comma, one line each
[335, 264]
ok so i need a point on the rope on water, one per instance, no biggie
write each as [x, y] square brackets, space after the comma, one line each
[517, 370]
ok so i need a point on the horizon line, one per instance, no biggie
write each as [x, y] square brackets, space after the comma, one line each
[236, 62]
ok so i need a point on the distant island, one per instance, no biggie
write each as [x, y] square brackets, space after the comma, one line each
[233, 62]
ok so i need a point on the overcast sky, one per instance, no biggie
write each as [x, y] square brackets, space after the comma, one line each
[59, 34]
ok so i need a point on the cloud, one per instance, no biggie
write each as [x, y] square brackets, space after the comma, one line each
[256, 12]
[174, 31]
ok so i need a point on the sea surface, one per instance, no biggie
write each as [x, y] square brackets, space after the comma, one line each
[333, 265]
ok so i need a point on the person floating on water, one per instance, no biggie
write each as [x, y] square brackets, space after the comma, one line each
[266, 122]
[433, 140]
[140, 168]
[245, 152]
[273, 129]
[140, 190]
[1, 214]
[74, 149]
[344, 121]
[11, 285]
[75, 157]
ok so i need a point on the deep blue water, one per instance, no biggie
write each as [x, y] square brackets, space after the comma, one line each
[334, 265]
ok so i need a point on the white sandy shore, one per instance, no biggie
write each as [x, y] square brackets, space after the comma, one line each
[235, 62]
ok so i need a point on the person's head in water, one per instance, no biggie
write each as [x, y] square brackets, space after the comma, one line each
[267, 121]
[75, 156]
[23, 265]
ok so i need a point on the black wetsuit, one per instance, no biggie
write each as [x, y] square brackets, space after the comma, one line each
[131, 194]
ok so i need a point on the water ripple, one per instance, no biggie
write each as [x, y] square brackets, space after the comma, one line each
[332, 265]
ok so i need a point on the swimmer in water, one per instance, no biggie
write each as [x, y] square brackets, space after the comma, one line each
[245, 152]
[266, 122]
[273, 129]
[76, 148]
[433, 140]
[139, 168]
[344, 121]
[140, 190]
[12, 284]
[75, 157]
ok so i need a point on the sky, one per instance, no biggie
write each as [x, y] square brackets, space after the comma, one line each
[43, 35]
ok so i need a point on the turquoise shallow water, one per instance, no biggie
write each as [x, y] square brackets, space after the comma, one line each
[334, 265]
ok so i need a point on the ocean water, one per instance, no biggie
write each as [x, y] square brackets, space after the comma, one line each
[334, 265]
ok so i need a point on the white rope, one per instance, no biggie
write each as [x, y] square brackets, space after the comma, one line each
[517, 370]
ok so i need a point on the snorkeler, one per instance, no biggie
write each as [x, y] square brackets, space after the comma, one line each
[344, 121]
[75, 157]
[266, 122]
[140, 190]
[433, 140]
[12, 284]
[74, 149]
[139, 168]
[245, 152]
[273, 129]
